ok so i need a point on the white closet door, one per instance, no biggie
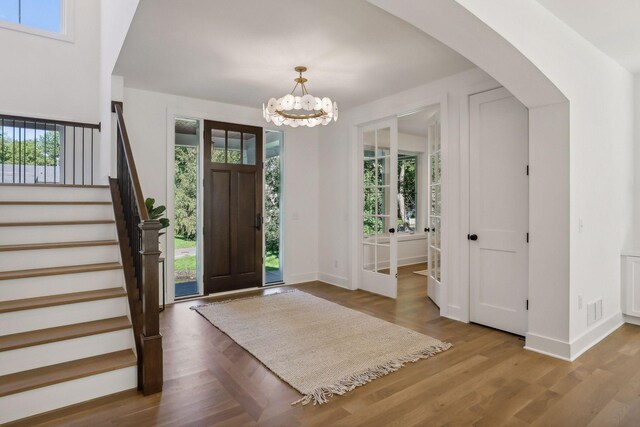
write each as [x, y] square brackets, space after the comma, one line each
[378, 198]
[499, 205]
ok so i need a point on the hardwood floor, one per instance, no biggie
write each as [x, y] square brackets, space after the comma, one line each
[485, 379]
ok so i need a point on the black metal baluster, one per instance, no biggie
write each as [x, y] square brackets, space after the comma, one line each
[92, 132]
[13, 147]
[74, 155]
[83, 158]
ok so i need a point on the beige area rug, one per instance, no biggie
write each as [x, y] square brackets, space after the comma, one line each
[422, 272]
[320, 348]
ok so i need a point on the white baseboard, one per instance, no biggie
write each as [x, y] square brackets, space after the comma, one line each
[570, 351]
[412, 260]
[331, 279]
[548, 346]
[301, 278]
[631, 319]
[596, 334]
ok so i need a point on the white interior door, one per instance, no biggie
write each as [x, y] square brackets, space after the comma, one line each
[434, 228]
[378, 201]
[499, 205]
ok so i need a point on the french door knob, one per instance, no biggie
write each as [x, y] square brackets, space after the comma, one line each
[392, 230]
[472, 236]
[426, 230]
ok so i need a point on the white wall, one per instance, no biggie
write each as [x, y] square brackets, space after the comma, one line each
[50, 78]
[115, 19]
[146, 114]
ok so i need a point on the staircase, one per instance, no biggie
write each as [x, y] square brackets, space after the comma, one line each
[65, 330]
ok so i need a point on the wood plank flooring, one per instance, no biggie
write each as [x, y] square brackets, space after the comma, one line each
[486, 379]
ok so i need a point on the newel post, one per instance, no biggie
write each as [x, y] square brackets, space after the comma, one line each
[151, 338]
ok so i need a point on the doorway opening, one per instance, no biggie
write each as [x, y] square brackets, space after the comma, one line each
[419, 203]
[273, 203]
[187, 205]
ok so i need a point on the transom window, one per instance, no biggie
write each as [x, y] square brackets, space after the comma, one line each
[42, 15]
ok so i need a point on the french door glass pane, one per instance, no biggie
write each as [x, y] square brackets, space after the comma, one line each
[369, 257]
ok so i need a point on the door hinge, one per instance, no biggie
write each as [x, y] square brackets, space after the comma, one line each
[527, 304]
[396, 275]
[527, 237]
[527, 170]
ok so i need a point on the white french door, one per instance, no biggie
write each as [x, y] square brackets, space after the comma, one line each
[499, 210]
[378, 202]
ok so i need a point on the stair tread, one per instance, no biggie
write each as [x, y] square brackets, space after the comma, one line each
[55, 271]
[61, 299]
[48, 223]
[50, 202]
[61, 333]
[60, 245]
[67, 371]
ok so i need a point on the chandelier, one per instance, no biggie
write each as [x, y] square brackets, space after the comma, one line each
[300, 110]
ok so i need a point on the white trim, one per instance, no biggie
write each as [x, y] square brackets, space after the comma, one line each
[334, 280]
[632, 320]
[596, 334]
[302, 278]
[570, 351]
[548, 346]
[67, 24]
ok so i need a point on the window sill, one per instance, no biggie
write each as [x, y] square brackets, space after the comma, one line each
[62, 36]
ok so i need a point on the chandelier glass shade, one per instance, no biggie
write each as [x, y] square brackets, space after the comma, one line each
[300, 110]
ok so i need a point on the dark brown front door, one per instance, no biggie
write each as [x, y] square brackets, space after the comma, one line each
[232, 207]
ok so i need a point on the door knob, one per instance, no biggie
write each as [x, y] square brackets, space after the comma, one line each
[392, 230]
[472, 236]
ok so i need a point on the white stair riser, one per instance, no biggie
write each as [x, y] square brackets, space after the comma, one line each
[26, 260]
[67, 314]
[57, 234]
[31, 213]
[63, 284]
[38, 356]
[47, 194]
[32, 402]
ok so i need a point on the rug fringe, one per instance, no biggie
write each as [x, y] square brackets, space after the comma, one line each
[321, 395]
[286, 291]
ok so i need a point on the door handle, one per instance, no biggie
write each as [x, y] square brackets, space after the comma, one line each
[472, 236]
[392, 230]
[259, 221]
[426, 230]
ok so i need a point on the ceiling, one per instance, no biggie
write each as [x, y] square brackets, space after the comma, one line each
[243, 52]
[613, 26]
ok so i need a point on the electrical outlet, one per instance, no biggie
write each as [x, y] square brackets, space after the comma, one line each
[580, 302]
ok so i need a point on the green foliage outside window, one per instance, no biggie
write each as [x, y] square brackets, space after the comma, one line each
[45, 150]
[407, 187]
[186, 188]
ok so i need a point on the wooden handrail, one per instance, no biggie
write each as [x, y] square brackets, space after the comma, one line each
[140, 251]
[131, 164]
